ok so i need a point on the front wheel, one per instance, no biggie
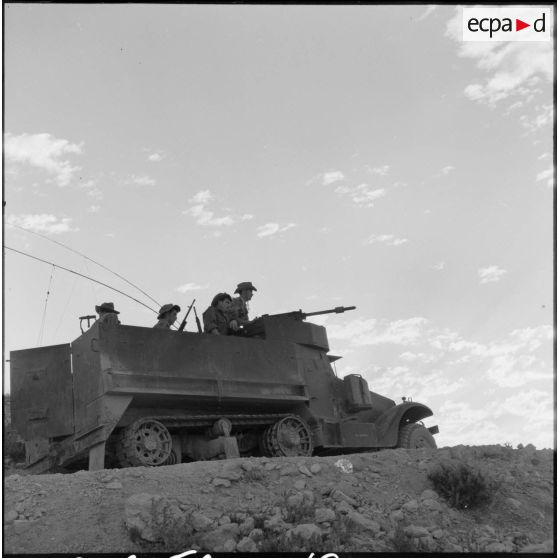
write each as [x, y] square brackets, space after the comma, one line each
[413, 436]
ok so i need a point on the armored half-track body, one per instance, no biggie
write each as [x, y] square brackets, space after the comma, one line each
[121, 396]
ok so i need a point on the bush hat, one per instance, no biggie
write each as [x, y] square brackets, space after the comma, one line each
[244, 286]
[219, 297]
[106, 307]
[167, 308]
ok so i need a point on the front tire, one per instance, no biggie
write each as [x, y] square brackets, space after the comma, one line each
[414, 436]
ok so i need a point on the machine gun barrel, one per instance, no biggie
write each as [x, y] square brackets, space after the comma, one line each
[336, 310]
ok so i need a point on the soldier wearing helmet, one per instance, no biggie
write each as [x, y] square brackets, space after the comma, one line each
[167, 316]
[217, 319]
[239, 306]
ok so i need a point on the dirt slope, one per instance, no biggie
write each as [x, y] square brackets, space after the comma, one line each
[380, 501]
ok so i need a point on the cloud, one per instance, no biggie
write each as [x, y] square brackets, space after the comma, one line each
[141, 180]
[544, 116]
[43, 223]
[547, 175]
[203, 197]
[331, 177]
[439, 266]
[373, 332]
[382, 170]
[362, 195]
[43, 151]
[446, 170]
[206, 217]
[190, 287]
[155, 157]
[270, 229]
[388, 239]
[93, 209]
[490, 274]
[512, 69]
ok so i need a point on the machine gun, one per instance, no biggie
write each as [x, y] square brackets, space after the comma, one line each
[299, 315]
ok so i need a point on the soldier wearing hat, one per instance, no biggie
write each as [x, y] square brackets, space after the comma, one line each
[217, 319]
[239, 306]
[167, 316]
[107, 313]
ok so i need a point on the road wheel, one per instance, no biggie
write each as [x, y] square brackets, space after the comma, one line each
[412, 436]
[288, 437]
[144, 443]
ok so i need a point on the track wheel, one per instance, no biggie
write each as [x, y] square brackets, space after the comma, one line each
[288, 437]
[144, 443]
[413, 436]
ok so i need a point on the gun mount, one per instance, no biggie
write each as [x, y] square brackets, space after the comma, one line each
[122, 395]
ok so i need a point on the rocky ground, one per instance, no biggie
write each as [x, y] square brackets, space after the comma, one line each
[381, 501]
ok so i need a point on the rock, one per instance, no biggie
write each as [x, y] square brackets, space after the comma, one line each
[300, 484]
[22, 525]
[138, 516]
[295, 500]
[247, 526]
[230, 474]
[397, 515]
[429, 495]
[200, 522]
[224, 520]
[246, 545]
[256, 535]
[432, 505]
[343, 507]
[410, 506]
[363, 523]
[344, 465]
[219, 537]
[10, 516]
[437, 533]
[221, 482]
[229, 545]
[304, 470]
[416, 531]
[315, 468]
[249, 466]
[338, 496]
[270, 466]
[288, 469]
[306, 531]
[19, 507]
[115, 485]
[323, 515]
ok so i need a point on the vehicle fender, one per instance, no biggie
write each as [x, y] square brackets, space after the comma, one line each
[388, 423]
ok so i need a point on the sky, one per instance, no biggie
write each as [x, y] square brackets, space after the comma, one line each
[332, 155]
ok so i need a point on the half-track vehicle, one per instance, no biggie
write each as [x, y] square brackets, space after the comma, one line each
[122, 395]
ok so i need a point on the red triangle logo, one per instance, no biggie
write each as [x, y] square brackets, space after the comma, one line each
[519, 25]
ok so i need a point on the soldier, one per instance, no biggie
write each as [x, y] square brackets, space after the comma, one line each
[107, 313]
[217, 318]
[239, 307]
[167, 316]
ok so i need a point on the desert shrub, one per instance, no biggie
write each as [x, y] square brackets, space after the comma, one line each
[462, 485]
[273, 542]
[402, 542]
[341, 532]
